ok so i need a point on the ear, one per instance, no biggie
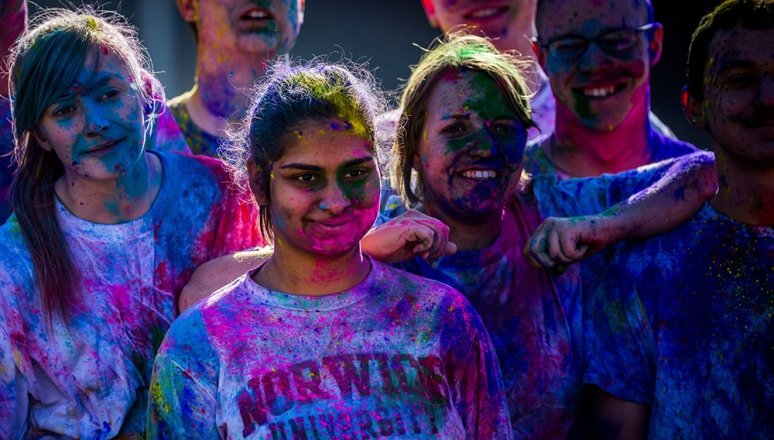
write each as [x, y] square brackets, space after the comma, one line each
[656, 43]
[416, 162]
[430, 12]
[256, 186]
[537, 49]
[41, 140]
[189, 10]
[692, 109]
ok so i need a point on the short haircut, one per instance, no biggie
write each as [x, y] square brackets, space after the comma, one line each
[748, 14]
[544, 11]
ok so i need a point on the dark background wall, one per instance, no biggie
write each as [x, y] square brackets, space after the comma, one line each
[385, 33]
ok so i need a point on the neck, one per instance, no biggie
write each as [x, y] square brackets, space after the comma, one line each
[219, 96]
[745, 193]
[580, 151]
[469, 236]
[302, 273]
[113, 201]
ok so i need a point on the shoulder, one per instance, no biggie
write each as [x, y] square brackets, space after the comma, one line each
[219, 273]
[423, 292]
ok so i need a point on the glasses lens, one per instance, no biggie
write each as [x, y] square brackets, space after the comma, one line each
[618, 41]
[568, 48]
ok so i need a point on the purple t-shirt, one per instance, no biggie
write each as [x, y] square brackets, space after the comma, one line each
[684, 322]
[397, 356]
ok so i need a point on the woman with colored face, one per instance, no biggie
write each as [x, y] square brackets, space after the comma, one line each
[457, 157]
[321, 340]
[104, 233]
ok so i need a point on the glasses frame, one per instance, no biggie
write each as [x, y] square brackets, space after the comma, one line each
[644, 28]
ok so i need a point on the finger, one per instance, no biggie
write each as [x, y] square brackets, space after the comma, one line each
[554, 250]
[537, 255]
[564, 249]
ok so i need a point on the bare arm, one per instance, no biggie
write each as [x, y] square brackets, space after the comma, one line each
[673, 199]
[614, 418]
[217, 273]
[406, 236]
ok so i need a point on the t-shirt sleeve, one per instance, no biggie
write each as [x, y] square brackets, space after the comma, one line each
[238, 227]
[183, 388]
[592, 195]
[13, 394]
[473, 372]
[619, 336]
[14, 361]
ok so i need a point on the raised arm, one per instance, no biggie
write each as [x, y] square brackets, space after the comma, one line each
[671, 200]
[406, 236]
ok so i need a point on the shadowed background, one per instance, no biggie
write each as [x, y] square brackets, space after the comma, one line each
[384, 33]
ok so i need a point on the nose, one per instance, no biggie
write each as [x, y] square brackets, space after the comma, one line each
[765, 95]
[593, 58]
[334, 199]
[483, 145]
[96, 120]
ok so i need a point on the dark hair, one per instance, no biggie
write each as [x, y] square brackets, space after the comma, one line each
[43, 64]
[748, 14]
[290, 95]
[457, 51]
[543, 11]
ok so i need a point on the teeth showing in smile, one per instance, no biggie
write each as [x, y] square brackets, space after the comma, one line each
[484, 13]
[479, 174]
[599, 92]
[257, 15]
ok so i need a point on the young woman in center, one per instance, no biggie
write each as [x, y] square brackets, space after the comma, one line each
[321, 341]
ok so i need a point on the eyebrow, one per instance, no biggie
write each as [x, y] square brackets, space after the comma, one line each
[349, 163]
[77, 88]
[465, 116]
[735, 64]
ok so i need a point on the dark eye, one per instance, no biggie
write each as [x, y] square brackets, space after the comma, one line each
[109, 94]
[64, 110]
[454, 129]
[306, 179]
[505, 128]
[738, 78]
[356, 173]
[569, 47]
[618, 41]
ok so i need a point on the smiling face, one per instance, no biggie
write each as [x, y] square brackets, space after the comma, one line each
[738, 106]
[599, 88]
[471, 147]
[324, 190]
[261, 27]
[508, 22]
[96, 129]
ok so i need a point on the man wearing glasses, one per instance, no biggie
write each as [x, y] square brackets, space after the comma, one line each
[598, 55]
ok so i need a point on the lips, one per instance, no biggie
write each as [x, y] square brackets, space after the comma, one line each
[479, 174]
[600, 91]
[254, 18]
[485, 13]
[103, 147]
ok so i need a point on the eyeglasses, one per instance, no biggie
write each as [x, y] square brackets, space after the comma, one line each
[613, 42]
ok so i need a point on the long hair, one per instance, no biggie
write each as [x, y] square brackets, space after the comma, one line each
[458, 51]
[44, 64]
[290, 95]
